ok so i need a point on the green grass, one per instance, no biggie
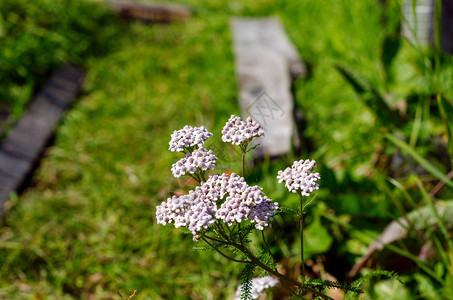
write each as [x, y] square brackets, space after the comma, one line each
[85, 228]
[38, 36]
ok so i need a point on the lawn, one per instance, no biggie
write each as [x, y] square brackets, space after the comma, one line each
[85, 227]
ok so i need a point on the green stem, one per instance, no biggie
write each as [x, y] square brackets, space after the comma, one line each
[216, 240]
[232, 230]
[240, 235]
[202, 175]
[221, 253]
[301, 227]
[243, 162]
[222, 231]
[195, 177]
[293, 293]
[254, 260]
[267, 246]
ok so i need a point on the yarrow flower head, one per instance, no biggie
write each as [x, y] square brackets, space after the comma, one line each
[187, 211]
[259, 284]
[243, 202]
[237, 131]
[200, 159]
[188, 137]
[202, 206]
[299, 177]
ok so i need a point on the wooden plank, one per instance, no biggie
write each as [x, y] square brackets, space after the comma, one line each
[42, 107]
[25, 142]
[151, 12]
[447, 26]
[13, 165]
[266, 63]
[23, 146]
[425, 20]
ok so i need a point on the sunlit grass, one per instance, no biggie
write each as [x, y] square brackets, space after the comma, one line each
[85, 228]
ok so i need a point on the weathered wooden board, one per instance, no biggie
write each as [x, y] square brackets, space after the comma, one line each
[24, 144]
[151, 12]
[425, 20]
[266, 64]
[447, 26]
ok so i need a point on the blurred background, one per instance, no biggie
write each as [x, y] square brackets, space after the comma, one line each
[377, 107]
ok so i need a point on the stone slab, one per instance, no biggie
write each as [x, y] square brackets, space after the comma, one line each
[266, 65]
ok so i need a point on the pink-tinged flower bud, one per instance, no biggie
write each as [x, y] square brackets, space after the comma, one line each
[237, 131]
[188, 137]
[200, 159]
[299, 177]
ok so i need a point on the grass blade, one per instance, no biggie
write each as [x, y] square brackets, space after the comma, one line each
[370, 96]
[422, 161]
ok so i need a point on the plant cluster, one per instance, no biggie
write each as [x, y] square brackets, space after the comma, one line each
[223, 210]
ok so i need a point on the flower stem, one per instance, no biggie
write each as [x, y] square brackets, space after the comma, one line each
[267, 246]
[301, 227]
[216, 240]
[195, 177]
[221, 253]
[243, 162]
[256, 261]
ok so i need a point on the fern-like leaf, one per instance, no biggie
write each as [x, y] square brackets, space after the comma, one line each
[320, 285]
[359, 283]
[203, 248]
[288, 211]
[186, 231]
[265, 257]
[215, 245]
[246, 281]
[377, 273]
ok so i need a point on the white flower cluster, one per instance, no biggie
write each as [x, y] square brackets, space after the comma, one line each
[199, 208]
[259, 284]
[299, 177]
[188, 211]
[243, 202]
[199, 159]
[188, 137]
[237, 131]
